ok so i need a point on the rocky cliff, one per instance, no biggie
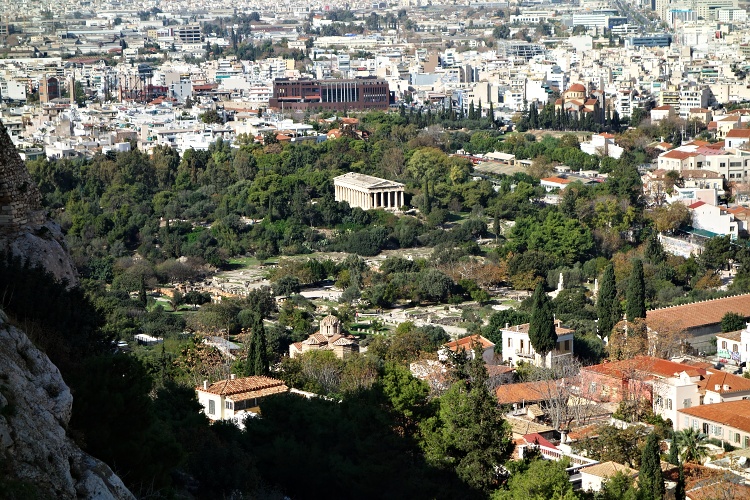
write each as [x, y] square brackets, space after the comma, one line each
[37, 458]
[24, 228]
[35, 408]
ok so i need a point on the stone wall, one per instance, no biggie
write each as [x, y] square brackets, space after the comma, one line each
[20, 199]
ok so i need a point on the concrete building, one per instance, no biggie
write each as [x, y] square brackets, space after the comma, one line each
[230, 398]
[340, 95]
[368, 192]
[728, 422]
[466, 345]
[517, 346]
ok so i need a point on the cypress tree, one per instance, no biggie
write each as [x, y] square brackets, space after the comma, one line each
[636, 293]
[674, 456]
[679, 490]
[496, 226]
[542, 334]
[427, 208]
[257, 354]
[607, 308]
[142, 293]
[650, 479]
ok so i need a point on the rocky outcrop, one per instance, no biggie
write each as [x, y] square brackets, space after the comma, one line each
[35, 408]
[24, 228]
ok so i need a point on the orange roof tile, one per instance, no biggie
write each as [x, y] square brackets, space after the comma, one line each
[233, 387]
[466, 343]
[739, 133]
[732, 413]
[608, 469]
[524, 391]
[643, 364]
[704, 313]
[733, 383]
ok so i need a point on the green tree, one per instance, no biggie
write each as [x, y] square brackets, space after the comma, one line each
[650, 479]
[468, 434]
[619, 487]
[692, 445]
[607, 308]
[543, 480]
[679, 490]
[732, 321]
[674, 454]
[407, 395]
[542, 334]
[636, 293]
[257, 353]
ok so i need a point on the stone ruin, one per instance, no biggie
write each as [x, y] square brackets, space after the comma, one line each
[20, 199]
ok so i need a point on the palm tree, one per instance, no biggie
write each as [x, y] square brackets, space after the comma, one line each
[692, 445]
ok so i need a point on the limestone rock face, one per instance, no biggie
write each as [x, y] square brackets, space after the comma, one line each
[24, 228]
[35, 408]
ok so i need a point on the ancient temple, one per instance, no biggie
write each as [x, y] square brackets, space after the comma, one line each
[368, 192]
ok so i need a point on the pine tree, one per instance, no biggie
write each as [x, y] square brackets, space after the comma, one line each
[650, 479]
[674, 454]
[679, 490]
[607, 308]
[636, 293]
[542, 334]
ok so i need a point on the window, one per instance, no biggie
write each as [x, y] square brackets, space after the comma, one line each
[567, 345]
[510, 342]
[737, 437]
[659, 401]
[718, 431]
[707, 429]
[687, 421]
[724, 344]
[521, 341]
[687, 403]
[734, 348]
[747, 441]
[211, 407]
[228, 405]
[669, 404]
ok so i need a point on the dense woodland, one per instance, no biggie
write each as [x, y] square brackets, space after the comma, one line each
[135, 221]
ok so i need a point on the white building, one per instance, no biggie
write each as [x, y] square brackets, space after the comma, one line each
[602, 145]
[223, 399]
[714, 219]
[594, 476]
[467, 344]
[517, 346]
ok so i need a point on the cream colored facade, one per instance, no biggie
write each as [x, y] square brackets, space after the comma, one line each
[368, 192]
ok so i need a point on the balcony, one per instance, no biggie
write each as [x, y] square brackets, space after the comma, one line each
[525, 354]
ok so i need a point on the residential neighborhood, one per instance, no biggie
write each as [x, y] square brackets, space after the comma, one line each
[482, 250]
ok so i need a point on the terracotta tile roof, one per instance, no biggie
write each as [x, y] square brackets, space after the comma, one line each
[585, 431]
[733, 383]
[608, 469]
[244, 385]
[666, 107]
[699, 174]
[711, 126]
[733, 336]
[556, 180]
[732, 413]
[697, 204]
[465, 343]
[536, 438]
[646, 365]
[525, 329]
[524, 392]
[678, 155]
[495, 370]
[739, 132]
[708, 312]
[718, 489]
